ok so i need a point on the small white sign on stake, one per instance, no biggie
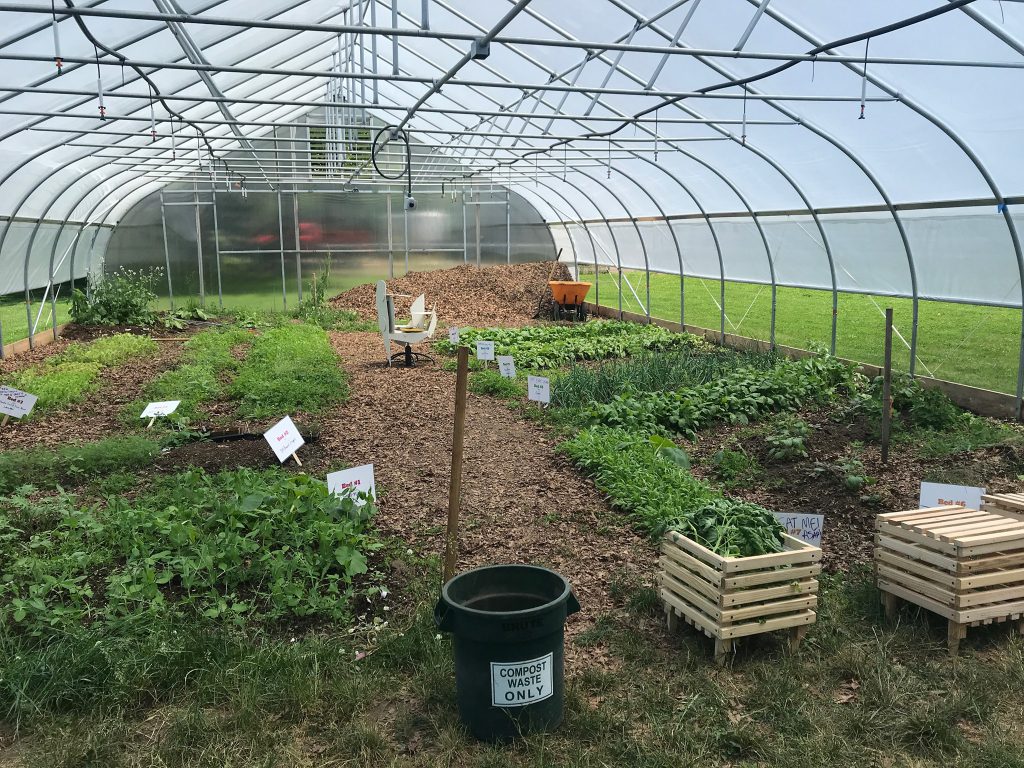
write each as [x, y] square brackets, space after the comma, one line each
[162, 408]
[539, 389]
[943, 495]
[485, 350]
[285, 439]
[453, 335]
[359, 479]
[802, 526]
[507, 366]
[14, 402]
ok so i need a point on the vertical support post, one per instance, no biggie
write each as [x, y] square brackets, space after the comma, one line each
[835, 317]
[280, 244]
[887, 387]
[465, 250]
[298, 243]
[477, 216]
[394, 39]
[391, 241]
[216, 248]
[373, 49]
[721, 299]
[508, 228]
[451, 547]
[199, 248]
[405, 225]
[425, 15]
[167, 253]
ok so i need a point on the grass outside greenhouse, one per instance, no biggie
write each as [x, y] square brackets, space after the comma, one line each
[968, 344]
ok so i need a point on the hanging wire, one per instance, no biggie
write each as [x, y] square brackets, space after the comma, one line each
[99, 85]
[743, 131]
[656, 114]
[864, 80]
[56, 39]
[174, 149]
[152, 117]
[609, 158]
[814, 61]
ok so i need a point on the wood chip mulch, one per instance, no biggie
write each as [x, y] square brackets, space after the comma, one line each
[468, 295]
[521, 502]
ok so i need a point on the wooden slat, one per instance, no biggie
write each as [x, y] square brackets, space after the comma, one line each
[916, 567]
[917, 599]
[1016, 533]
[691, 613]
[691, 579]
[987, 596]
[979, 580]
[701, 553]
[1011, 500]
[709, 609]
[760, 578]
[974, 530]
[770, 609]
[757, 627]
[796, 552]
[982, 564]
[691, 563]
[956, 522]
[911, 513]
[925, 524]
[919, 586]
[919, 553]
[990, 612]
[743, 597]
[918, 538]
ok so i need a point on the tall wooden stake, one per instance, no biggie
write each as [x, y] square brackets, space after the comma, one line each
[887, 387]
[451, 548]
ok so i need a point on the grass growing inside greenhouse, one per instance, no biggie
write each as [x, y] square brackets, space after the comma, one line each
[972, 345]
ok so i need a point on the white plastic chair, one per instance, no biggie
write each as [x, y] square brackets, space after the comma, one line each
[421, 326]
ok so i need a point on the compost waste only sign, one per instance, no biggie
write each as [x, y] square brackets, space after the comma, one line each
[518, 683]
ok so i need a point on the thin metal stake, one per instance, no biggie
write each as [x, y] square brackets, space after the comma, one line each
[887, 387]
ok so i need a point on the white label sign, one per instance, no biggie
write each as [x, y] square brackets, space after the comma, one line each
[539, 388]
[800, 526]
[518, 683]
[284, 438]
[453, 335]
[14, 402]
[507, 366]
[359, 479]
[485, 350]
[942, 495]
[163, 408]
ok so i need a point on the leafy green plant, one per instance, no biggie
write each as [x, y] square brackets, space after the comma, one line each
[123, 297]
[734, 467]
[659, 494]
[552, 346]
[48, 468]
[179, 319]
[491, 382]
[848, 470]
[234, 546]
[107, 351]
[291, 368]
[787, 438]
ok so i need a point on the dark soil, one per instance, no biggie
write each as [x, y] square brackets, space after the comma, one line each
[468, 295]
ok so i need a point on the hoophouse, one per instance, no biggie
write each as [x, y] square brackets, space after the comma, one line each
[777, 169]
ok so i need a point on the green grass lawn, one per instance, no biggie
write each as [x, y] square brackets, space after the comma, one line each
[15, 321]
[973, 345]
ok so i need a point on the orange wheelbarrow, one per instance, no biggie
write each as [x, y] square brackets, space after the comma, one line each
[569, 296]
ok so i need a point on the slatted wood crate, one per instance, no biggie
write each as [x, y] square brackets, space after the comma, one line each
[963, 564]
[1004, 503]
[728, 598]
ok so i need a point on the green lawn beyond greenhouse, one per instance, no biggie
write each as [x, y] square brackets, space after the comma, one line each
[973, 345]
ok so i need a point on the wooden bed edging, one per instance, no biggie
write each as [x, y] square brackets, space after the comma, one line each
[41, 339]
[981, 401]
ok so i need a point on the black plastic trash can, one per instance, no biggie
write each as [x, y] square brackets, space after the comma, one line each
[508, 626]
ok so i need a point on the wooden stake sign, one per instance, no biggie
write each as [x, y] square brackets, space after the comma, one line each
[506, 366]
[285, 440]
[453, 335]
[155, 410]
[451, 547]
[14, 402]
[539, 389]
[356, 480]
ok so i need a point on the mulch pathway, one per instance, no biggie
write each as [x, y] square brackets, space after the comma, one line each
[521, 502]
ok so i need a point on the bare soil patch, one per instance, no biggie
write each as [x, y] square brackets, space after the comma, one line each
[468, 295]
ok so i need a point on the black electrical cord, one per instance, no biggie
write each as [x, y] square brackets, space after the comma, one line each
[407, 170]
[744, 81]
[156, 91]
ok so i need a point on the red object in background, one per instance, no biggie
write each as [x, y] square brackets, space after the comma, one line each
[312, 236]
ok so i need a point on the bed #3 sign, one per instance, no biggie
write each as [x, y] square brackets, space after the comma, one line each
[14, 402]
[518, 683]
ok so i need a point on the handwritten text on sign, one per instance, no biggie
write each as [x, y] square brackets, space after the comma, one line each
[518, 683]
[942, 495]
[539, 388]
[485, 350]
[800, 526]
[358, 479]
[14, 402]
[453, 335]
[284, 438]
[163, 408]
[507, 366]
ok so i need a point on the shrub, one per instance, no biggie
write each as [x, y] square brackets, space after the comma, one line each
[291, 368]
[124, 297]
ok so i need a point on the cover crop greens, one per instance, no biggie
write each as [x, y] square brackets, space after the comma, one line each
[552, 346]
[237, 545]
[47, 468]
[659, 494]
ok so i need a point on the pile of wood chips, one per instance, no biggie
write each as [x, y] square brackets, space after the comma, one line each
[467, 295]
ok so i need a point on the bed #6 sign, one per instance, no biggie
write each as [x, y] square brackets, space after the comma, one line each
[14, 402]
[485, 350]
[507, 366]
[518, 683]
[359, 479]
[284, 438]
[802, 526]
[942, 495]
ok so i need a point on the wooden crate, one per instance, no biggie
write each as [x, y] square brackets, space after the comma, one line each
[963, 564]
[733, 597]
[1004, 503]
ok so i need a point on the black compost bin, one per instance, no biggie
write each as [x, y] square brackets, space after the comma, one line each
[508, 625]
